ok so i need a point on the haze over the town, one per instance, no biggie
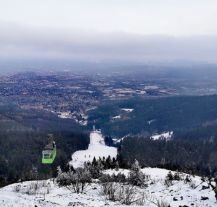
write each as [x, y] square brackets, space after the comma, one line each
[114, 30]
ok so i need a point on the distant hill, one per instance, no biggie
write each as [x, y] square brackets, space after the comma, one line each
[180, 114]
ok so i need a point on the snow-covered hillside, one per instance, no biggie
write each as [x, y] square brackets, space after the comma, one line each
[48, 194]
[166, 136]
[96, 148]
[179, 194]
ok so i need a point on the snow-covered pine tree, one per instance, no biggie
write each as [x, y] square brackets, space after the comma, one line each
[135, 166]
[136, 176]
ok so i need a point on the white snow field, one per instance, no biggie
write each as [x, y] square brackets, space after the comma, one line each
[48, 194]
[96, 148]
[166, 136]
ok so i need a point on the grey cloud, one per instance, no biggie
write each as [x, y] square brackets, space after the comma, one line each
[23, 42]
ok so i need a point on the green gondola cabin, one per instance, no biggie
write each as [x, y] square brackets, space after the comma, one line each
[49, 152]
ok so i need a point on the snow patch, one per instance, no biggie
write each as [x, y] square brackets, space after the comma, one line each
[64, 115]
[77, 117]
[116, 117]
[121, 139]
[151, 121]
[163, 136]
[127, 109]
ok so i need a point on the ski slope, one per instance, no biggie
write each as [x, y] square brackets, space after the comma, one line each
[96, 148]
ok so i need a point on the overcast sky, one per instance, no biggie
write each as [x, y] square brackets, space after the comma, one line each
[95, 30]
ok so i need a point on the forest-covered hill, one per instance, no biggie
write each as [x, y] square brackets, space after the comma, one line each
[192, 119]
[23, 134]
[196, 115]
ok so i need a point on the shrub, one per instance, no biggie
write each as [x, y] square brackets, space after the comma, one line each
[17, 188]
[169, 179]
[187, 179]
[74, 180]
[177, 176]
[125, 194]
[120, 178]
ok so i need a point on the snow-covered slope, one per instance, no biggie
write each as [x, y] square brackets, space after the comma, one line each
[96, 148]
[166, 136]
[179, 194]
[48, 194]
[51, 196]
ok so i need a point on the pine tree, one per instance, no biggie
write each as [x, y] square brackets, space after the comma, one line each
[59, 171]
[113, 163]
[116, 165]
[95, 168]
[94, 162]
[108, 162]
[135, 166]
[136, 176]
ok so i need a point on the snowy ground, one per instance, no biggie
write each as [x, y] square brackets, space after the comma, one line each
[53, 197]
[49, 194]
[180, 193]
[96, 148]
